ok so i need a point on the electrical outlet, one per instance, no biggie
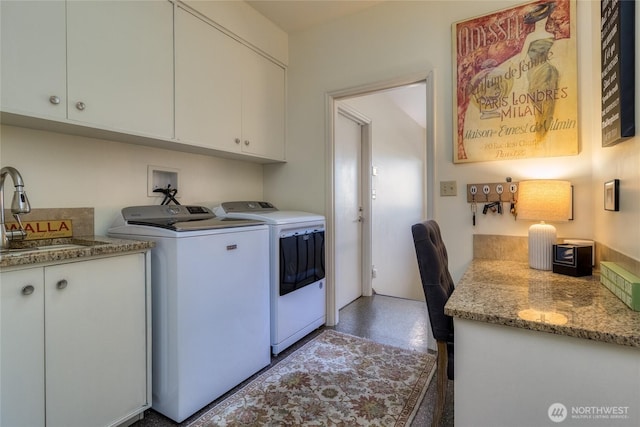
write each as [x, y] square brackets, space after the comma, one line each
[448, 188]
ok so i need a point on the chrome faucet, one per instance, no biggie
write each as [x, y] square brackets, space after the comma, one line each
[19, 205]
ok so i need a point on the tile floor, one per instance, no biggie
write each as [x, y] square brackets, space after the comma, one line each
[402, 323]
[387, 320]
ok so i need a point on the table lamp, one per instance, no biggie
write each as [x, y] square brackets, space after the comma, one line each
[543, 200]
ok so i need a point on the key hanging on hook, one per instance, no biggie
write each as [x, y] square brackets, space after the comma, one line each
[486, 190]
[474, 208]
[473, 190]
[512, 189]
[499, 190]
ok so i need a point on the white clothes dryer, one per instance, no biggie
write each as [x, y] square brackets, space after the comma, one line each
[297, 262]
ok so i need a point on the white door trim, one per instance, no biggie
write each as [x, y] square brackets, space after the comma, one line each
[330, 110]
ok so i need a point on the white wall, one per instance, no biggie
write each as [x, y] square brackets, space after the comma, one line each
[618, 230]
[71, 171]
[398, 149]
[404, 38]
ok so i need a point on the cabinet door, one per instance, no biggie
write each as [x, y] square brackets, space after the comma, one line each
[22, 348]
[33, 58]
[208, 85]
[263, 106]
[95, 341]
[120, 65]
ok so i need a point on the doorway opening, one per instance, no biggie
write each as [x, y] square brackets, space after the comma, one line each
[380, 183]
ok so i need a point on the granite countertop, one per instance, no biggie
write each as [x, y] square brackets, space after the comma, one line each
[55, 250]
[512, 294]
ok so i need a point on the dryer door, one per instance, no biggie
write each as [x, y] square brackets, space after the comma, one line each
[301, 260]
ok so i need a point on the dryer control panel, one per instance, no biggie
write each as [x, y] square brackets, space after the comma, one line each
[247, 206]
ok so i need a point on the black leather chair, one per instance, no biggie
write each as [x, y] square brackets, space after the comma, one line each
[438, 286]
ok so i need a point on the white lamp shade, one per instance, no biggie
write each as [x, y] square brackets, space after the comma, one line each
[543, 200]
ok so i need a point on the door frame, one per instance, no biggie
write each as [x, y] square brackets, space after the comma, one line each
[331, 99]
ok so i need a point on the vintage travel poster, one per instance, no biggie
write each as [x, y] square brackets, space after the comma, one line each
[516, 83]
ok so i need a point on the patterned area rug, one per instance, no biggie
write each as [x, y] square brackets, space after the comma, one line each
[334, 380]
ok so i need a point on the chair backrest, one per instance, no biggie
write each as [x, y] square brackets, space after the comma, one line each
[437, 283]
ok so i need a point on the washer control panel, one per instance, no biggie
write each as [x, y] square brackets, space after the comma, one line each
[168, 213]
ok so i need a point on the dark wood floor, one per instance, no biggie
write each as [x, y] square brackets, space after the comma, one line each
[393, 321]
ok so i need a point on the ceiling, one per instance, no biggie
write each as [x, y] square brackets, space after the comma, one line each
[299, 15]
[412, 99]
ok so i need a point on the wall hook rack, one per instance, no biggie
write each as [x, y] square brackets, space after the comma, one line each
[493, 195]
[492, 192]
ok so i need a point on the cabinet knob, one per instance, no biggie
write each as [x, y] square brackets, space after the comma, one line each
[61, 284]
[237, 140]
[80, 105]
[55, 100]
[247, 142]
[28, 290]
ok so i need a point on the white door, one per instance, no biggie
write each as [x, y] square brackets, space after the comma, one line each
[348, 210]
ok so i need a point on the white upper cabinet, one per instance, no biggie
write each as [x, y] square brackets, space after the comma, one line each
[120, 65]
[246, 23]
[114, 59]
[33, 45]
[263, 106]
[228, 96]
[135, 71]
[208, 85]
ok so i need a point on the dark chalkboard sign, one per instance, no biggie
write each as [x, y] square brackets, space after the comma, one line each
[617, 36]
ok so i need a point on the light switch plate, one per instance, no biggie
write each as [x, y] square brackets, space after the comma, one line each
[448, 188]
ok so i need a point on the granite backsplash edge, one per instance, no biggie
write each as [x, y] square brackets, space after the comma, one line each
[82, 219]
[515, 248]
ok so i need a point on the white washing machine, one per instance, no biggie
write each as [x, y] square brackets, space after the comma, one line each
[210, 296]
[297, 260]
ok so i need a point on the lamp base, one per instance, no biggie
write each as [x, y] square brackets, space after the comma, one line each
[542, 237]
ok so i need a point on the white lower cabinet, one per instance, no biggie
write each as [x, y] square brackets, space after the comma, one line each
[74, 343]
[22, 348]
